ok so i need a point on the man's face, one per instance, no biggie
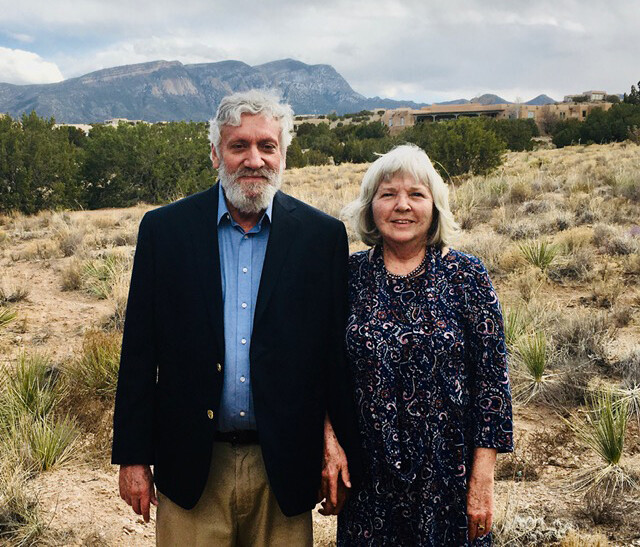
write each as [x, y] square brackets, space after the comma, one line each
[250, 162]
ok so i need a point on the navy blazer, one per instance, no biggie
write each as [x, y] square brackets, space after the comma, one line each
[172, 361]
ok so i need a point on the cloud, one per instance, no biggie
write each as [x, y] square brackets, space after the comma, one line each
[422, 50]
[19, 37]
[24, 67]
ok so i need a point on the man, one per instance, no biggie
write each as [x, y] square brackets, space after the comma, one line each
[232, 350]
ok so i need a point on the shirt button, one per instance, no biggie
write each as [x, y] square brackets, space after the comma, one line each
[218, 367]
[243, 341]
[242, 413]
[244, 304]
[242, 379]
[210, 414]
[245, 270]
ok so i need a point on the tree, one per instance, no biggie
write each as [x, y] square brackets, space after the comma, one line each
[295, 157]
[634, 95]
[458, 146]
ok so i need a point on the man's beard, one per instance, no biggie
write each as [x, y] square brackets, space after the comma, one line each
[260, 193]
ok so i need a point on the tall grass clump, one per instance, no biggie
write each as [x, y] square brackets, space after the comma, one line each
[538, 253]
[101, 274]
[603, 430]
[31, 387]
[32, 439]
[20, 519]
[95, 372]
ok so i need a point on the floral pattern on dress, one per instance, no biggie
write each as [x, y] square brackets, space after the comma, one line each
[429, 363]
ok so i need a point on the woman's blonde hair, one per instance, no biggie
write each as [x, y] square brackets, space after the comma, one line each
[410, 160]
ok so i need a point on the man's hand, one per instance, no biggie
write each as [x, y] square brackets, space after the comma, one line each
[136, 488]
[335, 483]
[480, 493]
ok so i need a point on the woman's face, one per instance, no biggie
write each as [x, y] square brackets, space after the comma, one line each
[402, 211]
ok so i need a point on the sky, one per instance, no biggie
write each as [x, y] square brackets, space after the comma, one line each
[420, 50]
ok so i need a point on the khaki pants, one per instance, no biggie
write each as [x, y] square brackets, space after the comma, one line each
[237, 508]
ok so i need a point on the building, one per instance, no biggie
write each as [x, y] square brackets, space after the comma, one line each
[590, 96]
[401, 118]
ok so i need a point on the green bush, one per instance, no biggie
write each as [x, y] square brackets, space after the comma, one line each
[458, 147]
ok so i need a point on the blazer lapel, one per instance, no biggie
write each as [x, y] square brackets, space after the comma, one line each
[205, 239]
[283, 232]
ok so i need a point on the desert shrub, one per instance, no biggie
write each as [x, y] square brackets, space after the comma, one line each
[69, 241]
[574, 265]
[583, 337]
[605, 292]
[582, 539]
[528, 283]
[17, 294]
[538, 253]
[71, 276]
[621, 315]
[532, 452]
[513, 529]
[95, 372]
[488, 247]
[613, 241]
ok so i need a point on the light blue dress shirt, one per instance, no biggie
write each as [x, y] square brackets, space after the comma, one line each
[241, 260]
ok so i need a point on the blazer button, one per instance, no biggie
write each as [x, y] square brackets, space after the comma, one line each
[218, 367]
[210, 414]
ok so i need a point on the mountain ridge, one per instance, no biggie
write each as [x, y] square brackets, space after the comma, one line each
[170, 90]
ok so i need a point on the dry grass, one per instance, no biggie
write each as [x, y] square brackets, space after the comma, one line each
[582, 201]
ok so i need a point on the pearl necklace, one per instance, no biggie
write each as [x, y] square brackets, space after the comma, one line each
[413, 273]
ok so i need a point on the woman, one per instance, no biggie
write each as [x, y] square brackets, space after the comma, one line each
[426, 346]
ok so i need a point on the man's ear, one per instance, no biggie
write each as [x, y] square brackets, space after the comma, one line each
[214, 157]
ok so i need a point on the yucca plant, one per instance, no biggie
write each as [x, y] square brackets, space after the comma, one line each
[538, 253]
[603, 429]
[629, 394]
[31, 385]
[531, 358]
[6, 316]
[516, 323]
[50, 442]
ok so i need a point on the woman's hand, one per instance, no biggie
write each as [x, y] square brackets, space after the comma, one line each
[480, 493]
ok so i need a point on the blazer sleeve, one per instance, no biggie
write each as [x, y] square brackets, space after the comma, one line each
[133, 421]
[340, 401]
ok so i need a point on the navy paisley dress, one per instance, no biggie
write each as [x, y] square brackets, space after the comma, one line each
[429, 364]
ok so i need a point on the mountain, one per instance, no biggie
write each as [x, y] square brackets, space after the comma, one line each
[541, 100]
[456, 101]
[489, 98]
[169, 90]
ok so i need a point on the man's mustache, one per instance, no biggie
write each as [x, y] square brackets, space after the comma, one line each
[260, 172]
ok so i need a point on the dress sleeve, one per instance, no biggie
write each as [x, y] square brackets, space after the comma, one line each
[491, 413]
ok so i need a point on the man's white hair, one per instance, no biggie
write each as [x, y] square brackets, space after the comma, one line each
[254, 101]
[407, 159]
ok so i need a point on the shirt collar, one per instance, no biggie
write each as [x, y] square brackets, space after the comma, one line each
[223, 211]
